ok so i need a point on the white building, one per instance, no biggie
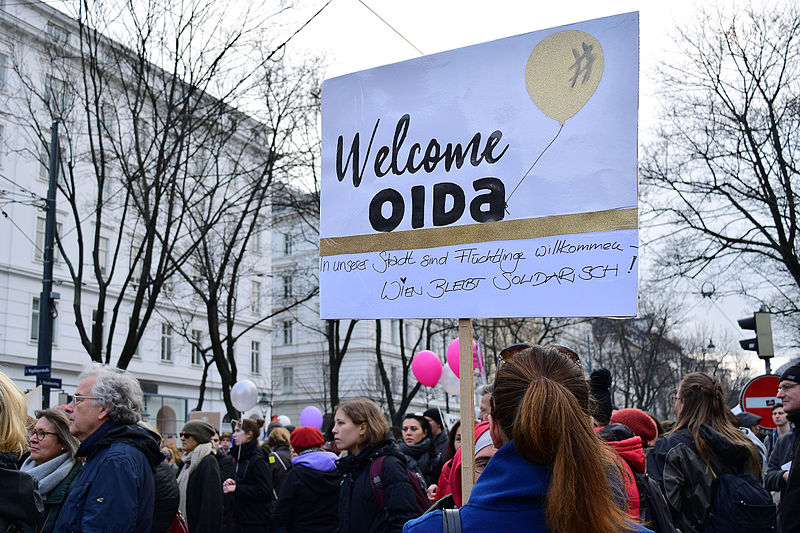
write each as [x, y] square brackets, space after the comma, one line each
[165, 362]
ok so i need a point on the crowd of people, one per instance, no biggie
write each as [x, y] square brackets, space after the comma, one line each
[550, 454]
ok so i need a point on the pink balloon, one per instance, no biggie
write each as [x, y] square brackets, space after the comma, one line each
[427, 368]
[452, 356]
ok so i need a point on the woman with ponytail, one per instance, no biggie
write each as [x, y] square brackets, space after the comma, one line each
[704, 443]
[551, 471]
[251, 484]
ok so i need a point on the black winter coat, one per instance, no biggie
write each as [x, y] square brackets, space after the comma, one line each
[204, 497]
[790, 500]
[280, 461]
[358, 508]
[20, 500]
[253, 495]
[226, 470]
[167, 500]
[308, 501]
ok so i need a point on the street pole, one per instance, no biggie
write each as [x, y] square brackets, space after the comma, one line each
[46, 308]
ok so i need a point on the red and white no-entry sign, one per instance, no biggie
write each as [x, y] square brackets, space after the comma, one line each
[758, 397]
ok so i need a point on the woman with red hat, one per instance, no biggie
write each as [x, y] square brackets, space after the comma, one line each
[309, 495]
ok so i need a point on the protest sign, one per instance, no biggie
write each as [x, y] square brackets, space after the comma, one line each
[496, 180]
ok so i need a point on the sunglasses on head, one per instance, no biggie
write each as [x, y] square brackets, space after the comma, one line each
[506, 354]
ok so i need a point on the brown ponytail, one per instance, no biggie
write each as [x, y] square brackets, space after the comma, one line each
[541, 401]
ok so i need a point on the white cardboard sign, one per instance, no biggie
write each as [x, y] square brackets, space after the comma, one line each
[496, 180]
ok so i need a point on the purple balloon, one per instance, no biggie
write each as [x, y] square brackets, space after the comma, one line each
[311, 416]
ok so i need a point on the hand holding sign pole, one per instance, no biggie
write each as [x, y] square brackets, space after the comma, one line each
[562, 73]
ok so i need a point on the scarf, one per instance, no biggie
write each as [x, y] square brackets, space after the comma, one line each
[191, 461]
[50, 473]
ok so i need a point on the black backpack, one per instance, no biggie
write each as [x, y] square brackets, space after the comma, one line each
[379, 490]
[740, 504]
[654, 511]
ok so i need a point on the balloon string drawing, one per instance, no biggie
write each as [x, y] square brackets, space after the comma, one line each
[562, 73]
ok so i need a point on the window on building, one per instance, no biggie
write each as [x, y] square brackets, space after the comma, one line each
[287, 286]
[395, 326]
[287, 244]
[38, 253]
[101, 325]
[102, 254]
[3, 67]
[44, 165]
[255, 239]
[136, 349]
[57, 32]
[107, 117]
[35, 314]
[55, 93]
[166, 342]
[378, 382]
[197, 339]
[2, 145]
[288, 379]
[395, 379]
[255, 357]
[255, 297]
[35, 319]
[287, 332]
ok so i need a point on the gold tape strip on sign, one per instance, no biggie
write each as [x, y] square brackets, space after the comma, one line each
[504, 230]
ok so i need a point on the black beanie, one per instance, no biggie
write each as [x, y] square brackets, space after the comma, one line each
[791, 374]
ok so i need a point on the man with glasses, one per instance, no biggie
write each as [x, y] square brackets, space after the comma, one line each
[789, 396]
[115, 490]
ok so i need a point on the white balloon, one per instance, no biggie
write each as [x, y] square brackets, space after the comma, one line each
[244, 395]
[449, 381]
[285, 420]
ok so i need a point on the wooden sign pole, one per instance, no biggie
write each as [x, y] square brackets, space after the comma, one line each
[467, 407]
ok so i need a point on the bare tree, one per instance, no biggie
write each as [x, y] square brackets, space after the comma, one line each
[143, 90]
[719, 180]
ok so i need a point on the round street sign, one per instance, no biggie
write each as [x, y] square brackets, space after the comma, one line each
[758, 397]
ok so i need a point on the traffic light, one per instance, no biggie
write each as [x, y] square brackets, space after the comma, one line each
[761, 324]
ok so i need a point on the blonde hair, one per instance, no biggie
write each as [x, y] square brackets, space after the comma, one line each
[13, 418]
[278, 437]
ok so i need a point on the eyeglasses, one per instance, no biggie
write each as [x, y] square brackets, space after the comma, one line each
[77, 398]
[787, 387]
[40, 434]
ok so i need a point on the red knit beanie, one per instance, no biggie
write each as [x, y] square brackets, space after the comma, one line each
[306, 437]
[638, 421]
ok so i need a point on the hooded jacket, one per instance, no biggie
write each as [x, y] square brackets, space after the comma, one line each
[115, 489]
[686, 479]
[508, 496]
[358, 508]
[629, 448]
[308, 500]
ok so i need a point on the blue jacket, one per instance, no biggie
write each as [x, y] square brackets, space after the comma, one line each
[114, 492]
[509, 496]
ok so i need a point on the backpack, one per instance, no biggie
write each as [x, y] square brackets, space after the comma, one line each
[378, 489]
[740, 504]
[654, 511]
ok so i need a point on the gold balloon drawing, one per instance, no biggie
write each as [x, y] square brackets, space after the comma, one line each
[563, 72]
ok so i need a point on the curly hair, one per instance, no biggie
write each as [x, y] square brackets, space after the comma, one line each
[119, 392]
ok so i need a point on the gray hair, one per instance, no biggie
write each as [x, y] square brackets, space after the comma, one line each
[485, 389]
[118, 391]
[60, 423]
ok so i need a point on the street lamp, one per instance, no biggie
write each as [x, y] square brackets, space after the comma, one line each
[265, 403]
